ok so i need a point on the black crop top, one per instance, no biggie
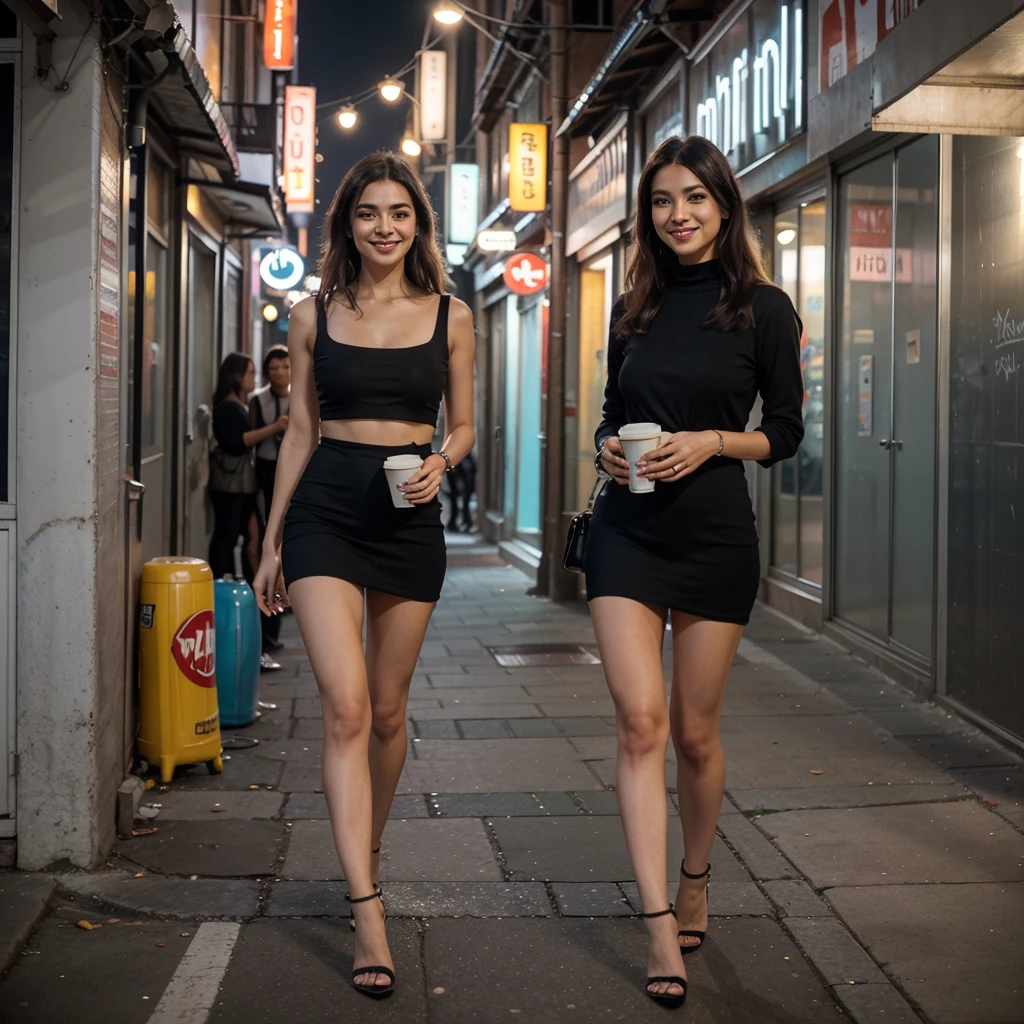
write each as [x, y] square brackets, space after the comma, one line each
[356, 382]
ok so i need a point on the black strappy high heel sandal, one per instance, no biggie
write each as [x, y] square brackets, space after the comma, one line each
[352, 920]
[375, 991]
[664, 998]
[692, 933]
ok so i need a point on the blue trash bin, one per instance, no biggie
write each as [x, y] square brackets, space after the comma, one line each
[238, 642]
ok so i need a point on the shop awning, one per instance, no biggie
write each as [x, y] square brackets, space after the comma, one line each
[637, 55]
[181, 92]
[251, 210]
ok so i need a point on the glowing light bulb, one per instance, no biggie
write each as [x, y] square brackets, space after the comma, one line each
[785, 236]
[391, 90]
[347, 117]
[410, 147]
[448, 13]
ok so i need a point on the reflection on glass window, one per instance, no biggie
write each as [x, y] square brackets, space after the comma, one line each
[799, 262]
[154, 341]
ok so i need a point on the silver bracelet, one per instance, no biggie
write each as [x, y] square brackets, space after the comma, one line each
[447, 460]
[721, 441]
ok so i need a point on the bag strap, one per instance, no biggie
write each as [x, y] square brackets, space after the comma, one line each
[595, 493]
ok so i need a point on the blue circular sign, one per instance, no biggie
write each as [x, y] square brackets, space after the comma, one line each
[282, 269]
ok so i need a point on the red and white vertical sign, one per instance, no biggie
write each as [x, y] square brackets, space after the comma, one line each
[299, 147]
[279, 35]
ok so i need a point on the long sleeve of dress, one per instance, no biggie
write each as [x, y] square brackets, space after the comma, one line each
[779, 377]
[613, 414]
[230, 423]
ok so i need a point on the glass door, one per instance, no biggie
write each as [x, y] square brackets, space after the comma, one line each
[510, 430]
[885, 434]
[528, 483]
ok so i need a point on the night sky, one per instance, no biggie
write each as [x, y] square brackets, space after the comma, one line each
[346, 46]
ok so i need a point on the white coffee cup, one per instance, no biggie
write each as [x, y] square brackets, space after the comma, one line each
[638, 439]
[398, 469]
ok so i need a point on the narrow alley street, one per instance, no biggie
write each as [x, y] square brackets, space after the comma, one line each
[870, 860]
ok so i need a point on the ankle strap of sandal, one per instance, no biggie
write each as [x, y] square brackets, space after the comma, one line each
[376, 894]
[659, 913]
[703, 874]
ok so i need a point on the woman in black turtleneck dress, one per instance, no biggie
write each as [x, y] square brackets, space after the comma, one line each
[699, 333]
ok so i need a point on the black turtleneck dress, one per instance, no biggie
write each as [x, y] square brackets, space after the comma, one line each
[691, 545]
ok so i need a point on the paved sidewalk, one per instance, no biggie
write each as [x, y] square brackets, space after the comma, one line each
[870, 858]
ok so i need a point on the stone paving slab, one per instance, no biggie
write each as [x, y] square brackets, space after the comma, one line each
[597, 706]
[238, 774]
[953, 750]
[725, 899]
[467, 899]
[115, 973]
[181, 898]
[949, 842]
[493, 766]
[834, 952]
[455, 850]
[588, 849]
[594, 970]
[290, 751]
[222, 848]
[759, 856]
[1004, 786]
[501, 805]
[308, 707]
[928, 936]
[498, 694]
[801, 798]
[183, 805]
[283, 971]
[591, 899]
[23, 904]
[847, 748]
[455, 712]
[875, 1004]
[302, 778]
[795, 898]
[314, 805]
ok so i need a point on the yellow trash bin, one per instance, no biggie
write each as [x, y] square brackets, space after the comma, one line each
[178, 718]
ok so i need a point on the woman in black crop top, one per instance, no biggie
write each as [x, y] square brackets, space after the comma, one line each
[698, 335]
[372, 358]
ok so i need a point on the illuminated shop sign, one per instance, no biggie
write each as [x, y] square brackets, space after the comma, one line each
[279, 35]
[748, 89]
[299, 147]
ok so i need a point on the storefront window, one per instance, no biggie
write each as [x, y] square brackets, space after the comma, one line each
[799, 261]
[986, 429]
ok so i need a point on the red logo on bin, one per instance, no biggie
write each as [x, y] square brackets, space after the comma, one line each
[193, 648]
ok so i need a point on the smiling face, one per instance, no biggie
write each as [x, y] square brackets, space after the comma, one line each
[383, 223]
[685, 216]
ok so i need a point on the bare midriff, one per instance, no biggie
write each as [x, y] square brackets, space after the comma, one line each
[389, 433]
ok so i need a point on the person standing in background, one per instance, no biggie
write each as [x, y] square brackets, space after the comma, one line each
[267, 405]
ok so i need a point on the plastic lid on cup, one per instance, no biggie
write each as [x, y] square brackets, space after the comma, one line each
[403, 462]
[639, 431]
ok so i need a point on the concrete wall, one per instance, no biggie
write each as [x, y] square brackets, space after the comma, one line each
[67, 781]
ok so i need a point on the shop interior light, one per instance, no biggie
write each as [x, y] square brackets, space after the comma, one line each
[410, 147]
[391, 90]
[347, 117]
[448, 13]
[270, 313]
[785, 236]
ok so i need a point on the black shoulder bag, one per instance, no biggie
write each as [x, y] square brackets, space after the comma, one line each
[576, 542]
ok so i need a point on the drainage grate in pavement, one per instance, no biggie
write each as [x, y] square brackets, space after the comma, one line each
[524, 655]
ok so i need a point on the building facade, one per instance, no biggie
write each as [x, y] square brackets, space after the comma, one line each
[139, 155]
[878, 146]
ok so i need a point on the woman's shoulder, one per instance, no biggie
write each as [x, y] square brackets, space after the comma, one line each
[459, 312]
[770, 299]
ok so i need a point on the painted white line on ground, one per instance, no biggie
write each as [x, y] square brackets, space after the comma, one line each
[190, 995]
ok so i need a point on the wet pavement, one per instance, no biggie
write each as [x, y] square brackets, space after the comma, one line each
[870, 859]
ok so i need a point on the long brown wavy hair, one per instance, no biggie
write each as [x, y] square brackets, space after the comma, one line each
[651, 260]
[340, 261]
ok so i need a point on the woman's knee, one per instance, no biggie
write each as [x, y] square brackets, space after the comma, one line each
[642, 732]
[697, 746]
[346, 720]
[388, 722]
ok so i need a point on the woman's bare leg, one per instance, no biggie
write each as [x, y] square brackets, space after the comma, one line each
[702, 654]
[395, 628]
[329, 613]
[630, 635]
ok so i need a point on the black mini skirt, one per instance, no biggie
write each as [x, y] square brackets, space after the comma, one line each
[342, 523]
[690, 546]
